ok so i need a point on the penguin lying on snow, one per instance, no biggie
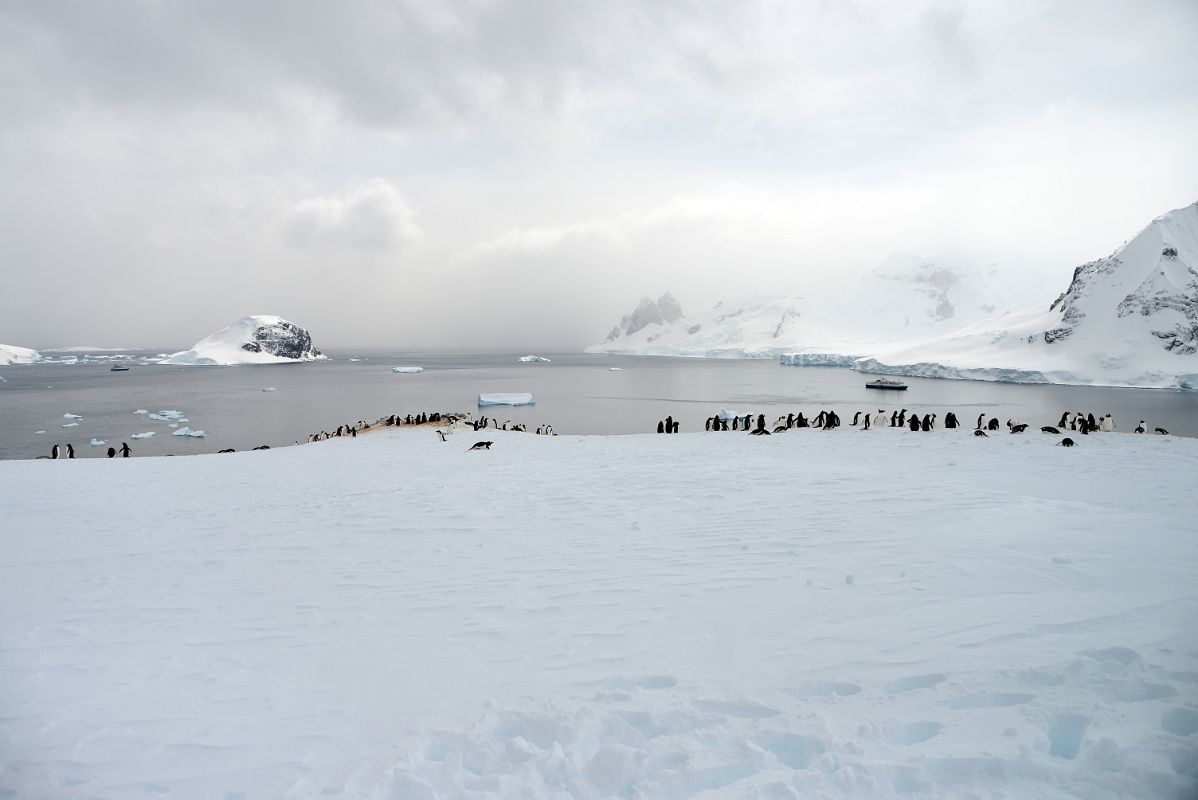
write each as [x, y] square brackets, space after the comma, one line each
[1020, 428]
[1067, 442]
[979, 432]
[1049, 429]
[1162, 431]
[481, 446]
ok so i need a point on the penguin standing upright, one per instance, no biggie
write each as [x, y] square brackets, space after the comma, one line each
[669, 424]
[894, 419]
[1141, 428]
[981, 417]
[761, 422]
[707, 425]
[914, 423]
[1107, 424]
[661, 427]
[902, 418]
[70, 450]
[856, 418]
[125, 451]
[1064, 420]
[54, 451]
[866, 422]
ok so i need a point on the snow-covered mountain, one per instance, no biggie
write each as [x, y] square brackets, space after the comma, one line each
[1130, 319]
[11, 354]
[906, 297]
[261, 339]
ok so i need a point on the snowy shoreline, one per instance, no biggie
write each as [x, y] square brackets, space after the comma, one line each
[832, 613]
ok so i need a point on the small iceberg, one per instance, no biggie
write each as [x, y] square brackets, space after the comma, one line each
[38, 432]
[506, 399]
[169, 415]
[725, 414]
[533, 359]
[141, 411]
[146, 435]
[97, 443]
[268, 388]
[71, 416]
[407, 369]
[189, 432]
[615, 369]
[71, 425]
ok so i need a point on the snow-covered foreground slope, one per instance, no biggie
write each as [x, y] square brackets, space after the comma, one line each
[11, 354]
[1130, 319]
[259, 339]
[816, 614]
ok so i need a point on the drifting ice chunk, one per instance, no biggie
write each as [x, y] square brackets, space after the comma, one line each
[188, 432]
[141, 411]
[38, 432]
[146, 435]
[615, 369]
[98, 443]
[71, 416]
[506, 399]
[168, 415]
[534, 359]
[407, 369]
[71, 425]
[268, 388]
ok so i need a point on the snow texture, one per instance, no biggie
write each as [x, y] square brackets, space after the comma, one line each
[10, 354]
[261, 339]
[663, 617]
[506, 399]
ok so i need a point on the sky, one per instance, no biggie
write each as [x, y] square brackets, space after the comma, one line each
[492, 175]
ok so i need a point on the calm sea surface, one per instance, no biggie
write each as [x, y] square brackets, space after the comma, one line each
[577, 394]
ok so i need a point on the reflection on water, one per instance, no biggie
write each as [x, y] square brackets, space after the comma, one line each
[577, 394]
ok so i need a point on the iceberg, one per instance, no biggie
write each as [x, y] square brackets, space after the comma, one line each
[506, 399]
[407, 370]
[97, 443]
[533, 359]
[71, 425]
[141, 411]
[268, 388]
[71, 416]
[169, 415]
[189, 432]
[146, 435]
[10, 354]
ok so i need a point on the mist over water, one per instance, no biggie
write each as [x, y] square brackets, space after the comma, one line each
[577, 394]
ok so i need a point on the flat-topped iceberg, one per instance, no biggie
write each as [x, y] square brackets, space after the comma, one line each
[188, 432]
[407, 370]
[261, 339]
[11, 354]
[506, 399]
[533, 359]
[146, 435]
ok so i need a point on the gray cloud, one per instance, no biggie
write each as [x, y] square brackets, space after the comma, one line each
[371, 217]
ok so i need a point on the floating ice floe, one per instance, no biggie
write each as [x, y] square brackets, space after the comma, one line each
[615, 369]
[97, 443]
[407, 369]
[146, 435]
[355, 359]
[268, 388]
[173, 425]
[506, 399]
[38, 432]
[141, 411]
[189, 432]
[533, 359]
[71, 416]
[71, 425]
[169, 415]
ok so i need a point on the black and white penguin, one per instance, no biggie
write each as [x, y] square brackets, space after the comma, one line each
[675, 428]
[707, 425]
[1141, 428]
[950, 420]
[661, 426]
[856, 418]
[993, 424]
[1107, 424]
[894, 419]
[54, 451]
[929, 422]
[979, 432]
[790, 420]
[1091, 423]
[801, 421]
[914, 422]
[1064, 420]
[981, 417]
[902, 418]
[1019, 428]
[1067, 442]
[1049, 429]
[481, 446]
[761, 422]
[880, 419]
[111, 452]
[125, 451]
[70, 450]
[866, 422]
[1162, 431]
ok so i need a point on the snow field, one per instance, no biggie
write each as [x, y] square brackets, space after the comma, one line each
[640, 616]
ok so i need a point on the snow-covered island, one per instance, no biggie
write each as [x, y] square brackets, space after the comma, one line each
[11, 354]
[1130, 319]
[260, 339]
[533, 359]
[597, 617]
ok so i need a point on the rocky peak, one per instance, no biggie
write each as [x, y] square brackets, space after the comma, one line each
[283, 339]
[664, 310]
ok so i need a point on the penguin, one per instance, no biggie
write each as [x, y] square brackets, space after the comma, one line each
[70, 450]
[761, 422]
[707, 425]
[111, 452]
[54, 451]
[1107, 424]
[481, 446]
[801, 421]
[441, 434]
[1091, 423]
[914, 424]
[902, 418]
[661, 427]
[1067, 442]
[125, 451]
[736, 423]
[1064, 420]
[929, 422]
[724, 425]
[880, 419]
[676, 424]
[669, 424]
[1049, 429]
[227, 450]
[993, 424]
[894, 420]
[1019, 428]
[856, 418]
[979, 432]
[981, 417]
[790, 421]
[866, 422]
[950, 420]
[1162, 431]
[1141, 427]
[819, 421]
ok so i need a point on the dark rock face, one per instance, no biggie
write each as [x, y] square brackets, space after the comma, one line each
[284, 339]
[648, 312]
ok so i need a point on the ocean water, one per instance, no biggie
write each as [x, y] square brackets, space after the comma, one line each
[576, 393]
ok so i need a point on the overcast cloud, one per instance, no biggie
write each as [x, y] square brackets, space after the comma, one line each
[489, 174]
